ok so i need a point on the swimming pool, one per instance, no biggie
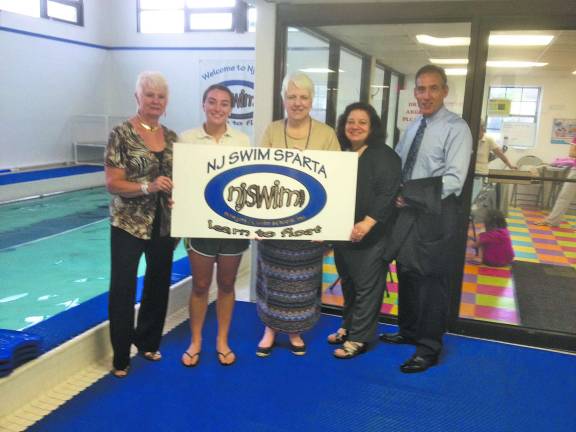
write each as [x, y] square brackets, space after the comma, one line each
[54, 255]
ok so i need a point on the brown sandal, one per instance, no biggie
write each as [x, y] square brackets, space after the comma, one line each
[121, 373]
[349, 350]
[337, 338]
[151, 355]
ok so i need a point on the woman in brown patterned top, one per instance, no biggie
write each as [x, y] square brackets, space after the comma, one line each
[138, 175]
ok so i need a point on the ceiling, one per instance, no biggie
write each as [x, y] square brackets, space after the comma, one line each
[396, 46]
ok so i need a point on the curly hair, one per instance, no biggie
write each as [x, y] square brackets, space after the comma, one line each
[494, 219]
[376, 130]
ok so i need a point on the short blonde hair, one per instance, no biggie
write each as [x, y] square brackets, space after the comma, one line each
[300, 80]
[151, 79]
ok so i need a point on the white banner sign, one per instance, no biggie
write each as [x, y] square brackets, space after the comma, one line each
[269, 193]
[238, 76]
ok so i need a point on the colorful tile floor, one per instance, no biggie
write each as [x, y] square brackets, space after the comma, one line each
[488, 293]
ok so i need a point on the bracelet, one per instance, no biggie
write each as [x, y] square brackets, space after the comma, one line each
[144, 188]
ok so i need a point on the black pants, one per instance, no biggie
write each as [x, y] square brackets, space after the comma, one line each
[422, 310]
[363, 277]
[126, 251]
[425, 266]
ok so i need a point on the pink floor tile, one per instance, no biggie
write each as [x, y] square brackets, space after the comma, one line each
[495, 291]
[494, 271]
[496, 314]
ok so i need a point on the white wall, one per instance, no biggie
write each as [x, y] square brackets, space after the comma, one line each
[92, 32]
[264, 79]
[45, 82]
[177, 56]
[181, 69]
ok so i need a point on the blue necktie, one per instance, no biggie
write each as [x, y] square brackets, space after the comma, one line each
[413, 152]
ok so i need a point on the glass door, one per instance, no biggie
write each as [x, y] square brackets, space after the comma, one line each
[309, 53]
[392, 131]
[378, 89]
[403, 49]
[520, 267]
[349, 82]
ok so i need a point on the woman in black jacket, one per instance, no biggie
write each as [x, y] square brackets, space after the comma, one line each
[360, 262]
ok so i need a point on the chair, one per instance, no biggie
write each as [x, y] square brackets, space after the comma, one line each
[532, 192]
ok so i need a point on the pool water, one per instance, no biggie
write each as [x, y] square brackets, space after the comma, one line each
[54, 254]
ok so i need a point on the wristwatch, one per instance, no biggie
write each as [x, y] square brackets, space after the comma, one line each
[144, 188]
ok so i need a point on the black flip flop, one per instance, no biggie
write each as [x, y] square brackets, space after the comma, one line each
[218, 354]
[191, 357]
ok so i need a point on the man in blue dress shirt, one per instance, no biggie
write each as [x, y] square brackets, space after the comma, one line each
[436, 146]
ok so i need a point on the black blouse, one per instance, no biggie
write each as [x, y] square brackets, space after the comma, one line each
[378, 182]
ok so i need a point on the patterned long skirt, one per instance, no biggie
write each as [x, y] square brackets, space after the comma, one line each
[288, 284]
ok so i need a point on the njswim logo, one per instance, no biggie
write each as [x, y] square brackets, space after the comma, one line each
[243, 103]
[265, 195]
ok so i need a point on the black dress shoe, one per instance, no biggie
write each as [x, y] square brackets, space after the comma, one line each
[395, 338]
[418, 364]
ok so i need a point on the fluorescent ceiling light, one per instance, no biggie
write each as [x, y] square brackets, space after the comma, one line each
[379, 86]
[513, 64]
[456, 71]
[500, 40]
[449, 41]
[316, 70]
[448, 61]
[520, 40]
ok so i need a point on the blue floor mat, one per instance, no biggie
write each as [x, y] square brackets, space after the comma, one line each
[478, 386]
[16, 348]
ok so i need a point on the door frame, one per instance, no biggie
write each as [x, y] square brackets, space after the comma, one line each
[483, 17]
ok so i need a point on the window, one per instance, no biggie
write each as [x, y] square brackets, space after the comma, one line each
[161, 16]
[70, 11]
[65, 10]
[511, 105]
[252, 17]
[349, 77]
[308, 53]
[23, 7]
[178, 16]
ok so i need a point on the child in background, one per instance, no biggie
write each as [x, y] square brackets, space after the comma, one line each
[494, 245]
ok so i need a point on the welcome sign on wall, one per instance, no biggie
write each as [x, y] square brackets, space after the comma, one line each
[238, 76]
[239, 192]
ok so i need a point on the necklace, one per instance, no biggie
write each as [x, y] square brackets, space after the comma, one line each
[148, 127]
[307, 138]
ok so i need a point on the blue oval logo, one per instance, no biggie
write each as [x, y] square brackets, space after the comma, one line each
[243, 100]
[216, 196]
